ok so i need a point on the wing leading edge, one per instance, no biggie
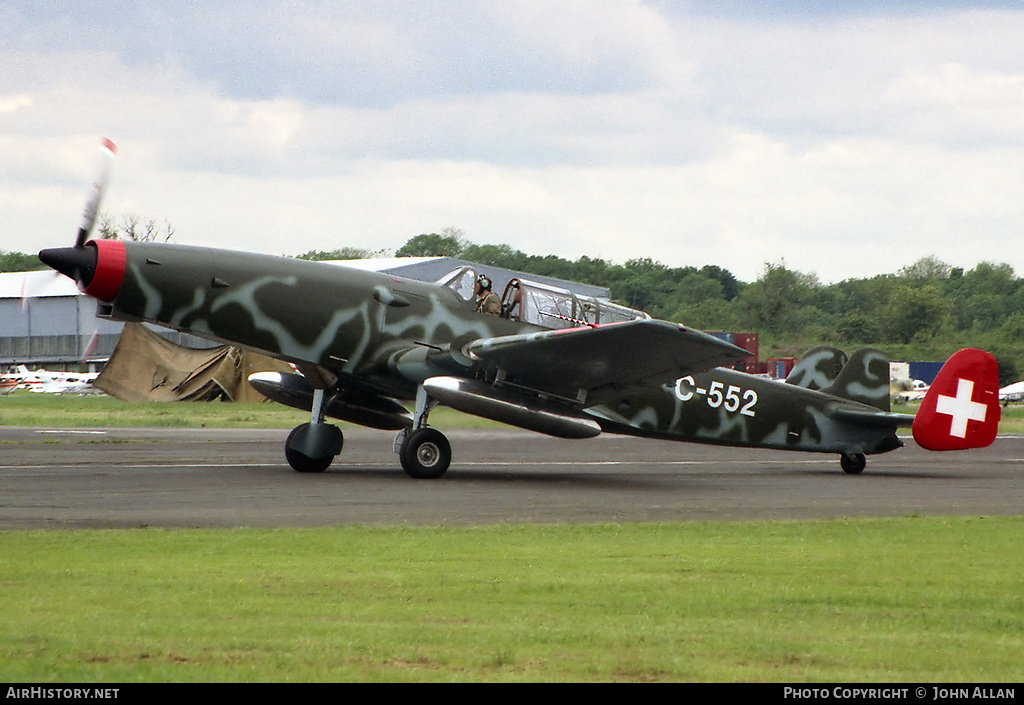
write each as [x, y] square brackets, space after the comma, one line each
[612, 356]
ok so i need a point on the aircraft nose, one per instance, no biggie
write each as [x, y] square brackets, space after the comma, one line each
[78, 263]
[98, 267]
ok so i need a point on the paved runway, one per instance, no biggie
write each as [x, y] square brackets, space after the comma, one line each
[57, 478]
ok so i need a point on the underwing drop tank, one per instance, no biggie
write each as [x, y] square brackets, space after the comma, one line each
[346, 404]
[505, 406]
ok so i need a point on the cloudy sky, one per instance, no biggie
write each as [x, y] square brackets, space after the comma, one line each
[844, 138]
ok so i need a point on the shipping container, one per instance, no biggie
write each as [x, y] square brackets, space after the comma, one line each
[925, 371]
[780, 367]
[747, 341]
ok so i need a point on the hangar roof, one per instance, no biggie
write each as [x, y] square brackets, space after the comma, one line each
[17, 285]
[431, 269]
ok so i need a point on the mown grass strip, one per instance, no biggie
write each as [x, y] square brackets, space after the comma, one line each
[909, 599]
[97, 411]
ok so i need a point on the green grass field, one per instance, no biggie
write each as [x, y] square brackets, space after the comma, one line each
[893, 600]
[28, 409]
[97, 411]
[927, 599]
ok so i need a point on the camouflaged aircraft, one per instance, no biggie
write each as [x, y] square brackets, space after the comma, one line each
[367, 346]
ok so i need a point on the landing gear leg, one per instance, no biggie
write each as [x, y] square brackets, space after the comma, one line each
[425, 452]
[311, 447]
[853, 463]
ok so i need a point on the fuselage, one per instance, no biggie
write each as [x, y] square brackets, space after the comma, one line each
[727, 407]
[391, 334]
[390, 331]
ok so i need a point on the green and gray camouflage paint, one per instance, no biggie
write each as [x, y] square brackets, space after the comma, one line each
[386, 335]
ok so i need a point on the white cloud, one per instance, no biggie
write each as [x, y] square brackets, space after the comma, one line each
[850, 143]
[12, 103]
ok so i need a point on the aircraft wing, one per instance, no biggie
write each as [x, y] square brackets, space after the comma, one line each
[612, 356]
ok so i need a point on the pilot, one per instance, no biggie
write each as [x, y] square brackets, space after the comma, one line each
[486, 300]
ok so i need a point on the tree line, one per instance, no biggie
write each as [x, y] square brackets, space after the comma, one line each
[925, 311]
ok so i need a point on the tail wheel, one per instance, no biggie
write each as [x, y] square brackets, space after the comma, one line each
[853, 463]
[426, 454]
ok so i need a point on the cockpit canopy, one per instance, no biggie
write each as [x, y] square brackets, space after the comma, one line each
[554, 307]
[462, 281]
[543, 304]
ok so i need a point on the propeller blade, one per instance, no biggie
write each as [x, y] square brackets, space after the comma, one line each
[92, 206]
[91, 345]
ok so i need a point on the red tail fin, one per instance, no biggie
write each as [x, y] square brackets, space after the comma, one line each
[961, 409]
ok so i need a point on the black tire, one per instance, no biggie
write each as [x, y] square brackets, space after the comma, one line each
[853, 463]
[426, 454]
[301, 462]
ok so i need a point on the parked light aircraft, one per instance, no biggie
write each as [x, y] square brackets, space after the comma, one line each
[367, 343]
[47, 382]
[9, 382]
[1012, 392]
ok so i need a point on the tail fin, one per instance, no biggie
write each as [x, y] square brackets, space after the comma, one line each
[818, 368]
[961, 409]
[865, 378]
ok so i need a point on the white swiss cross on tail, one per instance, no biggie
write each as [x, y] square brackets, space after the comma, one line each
[961, 409]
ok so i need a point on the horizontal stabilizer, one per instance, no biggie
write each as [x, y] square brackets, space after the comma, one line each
[873, 419]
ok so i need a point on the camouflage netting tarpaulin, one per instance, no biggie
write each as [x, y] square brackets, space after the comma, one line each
[146, 367]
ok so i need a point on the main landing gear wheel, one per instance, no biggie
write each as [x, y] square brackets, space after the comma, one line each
[301, 462]
[426, 454]
[853, 463]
